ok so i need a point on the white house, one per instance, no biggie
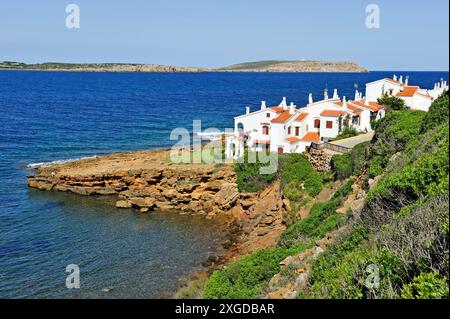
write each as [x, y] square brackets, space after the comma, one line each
[287, 129]
[414, 97]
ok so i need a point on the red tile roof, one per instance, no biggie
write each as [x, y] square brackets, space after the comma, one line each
[283, 117]
[332, 113]
[351, 107]
[292, 139]
[311, 137]
[371, 107]
[408, 91]
[301, 117]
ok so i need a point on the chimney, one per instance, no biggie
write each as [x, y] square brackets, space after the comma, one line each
[401, 79]
[366, 102]
[310, 98]
[325, 94]
[263, 105]
[335, 94]
[247, 110]
[344, 103]
[292, 108]
[394, 77]
[356, 95]
[284, 104]
[360, 96]
[406, 80]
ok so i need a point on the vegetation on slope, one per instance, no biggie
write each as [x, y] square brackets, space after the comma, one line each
[395, 246]
[404, 219]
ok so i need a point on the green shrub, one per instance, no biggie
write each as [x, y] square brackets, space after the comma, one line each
[426, 286]
[376, 166]
[347, 132]
[349, 164]
[392, 103]
[342, 166]
[247, 277]
[394, 131]
[426, 176]
[295, 170]
[322, 219]
[437, 114]
[249, 175]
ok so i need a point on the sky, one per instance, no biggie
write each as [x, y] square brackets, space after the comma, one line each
[413, 35]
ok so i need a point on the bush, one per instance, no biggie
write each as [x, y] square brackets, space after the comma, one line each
[426, 286]
[347, 132]
[295, 170]
[246, 278]
[322, 219]
[349, 164]
[437, 114]
[426, 176]
[394, 131]
[249, 176]
[342, 166]
[392, 103]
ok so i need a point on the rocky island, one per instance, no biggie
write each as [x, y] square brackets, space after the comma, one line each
[260, 66]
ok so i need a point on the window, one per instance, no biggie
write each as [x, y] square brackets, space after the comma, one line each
[289, 130]
[329, 124]
[297, 131]
[265, 130]
[317, 123]
[267, 114]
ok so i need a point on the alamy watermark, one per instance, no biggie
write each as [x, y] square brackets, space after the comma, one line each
[73, 279]
[73, 17]
[373, 17]
[373, 278]
[215, 146]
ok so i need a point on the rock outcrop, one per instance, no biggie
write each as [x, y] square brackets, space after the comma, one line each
[201, 190]
[319, 159]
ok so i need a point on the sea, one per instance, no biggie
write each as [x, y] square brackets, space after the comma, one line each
[59, 116]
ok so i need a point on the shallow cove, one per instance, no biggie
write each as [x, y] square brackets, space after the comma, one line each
[121, 253]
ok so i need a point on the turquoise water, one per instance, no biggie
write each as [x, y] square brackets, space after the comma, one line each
[48, 116]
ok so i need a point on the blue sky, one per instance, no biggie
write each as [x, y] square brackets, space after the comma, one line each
[413, 34]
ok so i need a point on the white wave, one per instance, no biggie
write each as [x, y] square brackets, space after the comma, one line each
[47, 164]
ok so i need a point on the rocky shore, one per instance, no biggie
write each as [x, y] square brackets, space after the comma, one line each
[147, 181]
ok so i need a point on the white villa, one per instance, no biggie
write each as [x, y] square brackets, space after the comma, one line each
[288, 129]
[414, 97]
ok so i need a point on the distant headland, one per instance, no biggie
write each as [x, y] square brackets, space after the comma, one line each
[259, 66]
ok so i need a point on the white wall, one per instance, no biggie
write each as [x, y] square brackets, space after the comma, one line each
[326, 132]
[377, 89]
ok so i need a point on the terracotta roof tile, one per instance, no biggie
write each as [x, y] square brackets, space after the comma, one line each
[408, 91]
[283, 117]
[332, 113]
[292, 139]
[301, 117]
[311, 137]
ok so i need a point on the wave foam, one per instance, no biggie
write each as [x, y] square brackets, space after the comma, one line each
[47, 164]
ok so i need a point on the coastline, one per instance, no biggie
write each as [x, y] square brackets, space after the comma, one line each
[142, 181]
